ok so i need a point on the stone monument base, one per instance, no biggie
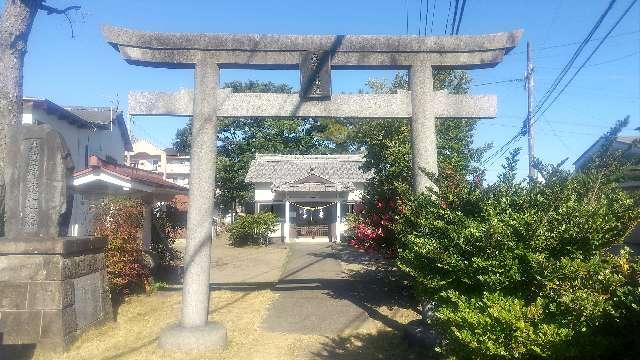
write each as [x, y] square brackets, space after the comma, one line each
[51, 290]
[212, 336]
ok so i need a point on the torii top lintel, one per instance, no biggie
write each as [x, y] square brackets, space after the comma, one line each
[184, 50]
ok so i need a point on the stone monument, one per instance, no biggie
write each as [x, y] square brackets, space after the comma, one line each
[52, 287]
[315, 57]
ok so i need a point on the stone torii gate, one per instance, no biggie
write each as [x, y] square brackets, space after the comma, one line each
[315, 56]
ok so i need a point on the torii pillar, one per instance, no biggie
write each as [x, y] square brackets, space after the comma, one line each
[315, 56]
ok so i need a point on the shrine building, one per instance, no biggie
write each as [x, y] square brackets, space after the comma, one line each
[311, 194]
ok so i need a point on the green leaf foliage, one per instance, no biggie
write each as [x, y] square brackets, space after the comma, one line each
[387, 147]
[253, 229]
[524, 270]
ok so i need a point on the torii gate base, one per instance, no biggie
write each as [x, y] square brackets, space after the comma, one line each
[212, 335]
[315, 56]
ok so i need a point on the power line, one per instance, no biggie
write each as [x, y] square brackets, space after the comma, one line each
[574, 57]
[555, 134]
[550, 47]
[433, 15]
[426, 18]
[499, 82]
[613, 27]
[446, 26]
[549, 28]
[504, 148]
[420, 22]
[593, 39]
[615, 59]
[455, 17]
[464, 3]
[623, 57]
[583, 133]
[406, 7]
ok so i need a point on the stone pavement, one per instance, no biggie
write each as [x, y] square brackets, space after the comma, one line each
[243, 268]
[314, 295]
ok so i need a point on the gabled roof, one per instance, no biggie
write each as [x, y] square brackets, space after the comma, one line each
[620, 143]
[314, 183]
[117, 175]
[170, 151]
[95, 115]
[307, 172]
[84, 117]
[104, 116]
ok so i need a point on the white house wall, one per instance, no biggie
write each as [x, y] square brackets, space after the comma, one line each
[263, 192]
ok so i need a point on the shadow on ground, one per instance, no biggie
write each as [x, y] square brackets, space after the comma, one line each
[372, 282]
[17, 352]
[388, 344]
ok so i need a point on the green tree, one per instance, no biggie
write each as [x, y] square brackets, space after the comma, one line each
[240, 139]
[387, 145]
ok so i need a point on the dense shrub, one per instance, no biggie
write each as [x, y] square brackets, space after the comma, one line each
[253, 229]
[521, 270]
[168, 223]
[119, 220]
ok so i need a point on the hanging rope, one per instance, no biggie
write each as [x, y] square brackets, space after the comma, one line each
[313, 208]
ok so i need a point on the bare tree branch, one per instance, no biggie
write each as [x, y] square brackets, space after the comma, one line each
[55, 11]
[51, 10]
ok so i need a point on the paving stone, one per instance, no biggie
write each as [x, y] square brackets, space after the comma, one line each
[311, 297]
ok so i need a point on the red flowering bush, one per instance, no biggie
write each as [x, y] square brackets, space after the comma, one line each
[119, 220]
[372, 228]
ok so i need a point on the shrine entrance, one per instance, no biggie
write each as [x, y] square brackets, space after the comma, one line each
[314, 222]
[314, 56]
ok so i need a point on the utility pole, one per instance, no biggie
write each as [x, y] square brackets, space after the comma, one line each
[530, 132]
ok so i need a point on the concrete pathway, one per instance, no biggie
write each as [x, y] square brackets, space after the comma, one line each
[315, 297]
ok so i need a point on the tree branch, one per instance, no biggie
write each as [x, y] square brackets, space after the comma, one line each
[51, 10]
[55, 11]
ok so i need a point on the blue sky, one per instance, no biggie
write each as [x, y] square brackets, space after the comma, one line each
[86, 71]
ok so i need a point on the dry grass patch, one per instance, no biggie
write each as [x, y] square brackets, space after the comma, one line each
[142, 318]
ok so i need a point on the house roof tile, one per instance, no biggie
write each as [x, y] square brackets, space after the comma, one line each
[129, 173]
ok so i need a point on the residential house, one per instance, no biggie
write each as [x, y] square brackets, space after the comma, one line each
[631, 181]
[103, 178]
[621, 143]
[171, 165]
[87, 131]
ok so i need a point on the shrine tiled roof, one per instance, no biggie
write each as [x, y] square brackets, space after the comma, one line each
[288, 172]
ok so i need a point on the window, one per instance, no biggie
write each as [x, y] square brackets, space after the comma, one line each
[154, 165]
